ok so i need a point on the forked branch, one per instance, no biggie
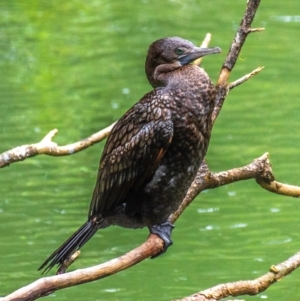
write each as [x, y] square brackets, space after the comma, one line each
[259, 169]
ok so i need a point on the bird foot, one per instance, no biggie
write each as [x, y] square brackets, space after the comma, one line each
[163, 231]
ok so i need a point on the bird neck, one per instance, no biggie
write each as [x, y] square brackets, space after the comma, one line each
[183, 77]
[160, 75]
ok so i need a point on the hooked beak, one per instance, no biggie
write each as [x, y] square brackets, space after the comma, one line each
[196, 54]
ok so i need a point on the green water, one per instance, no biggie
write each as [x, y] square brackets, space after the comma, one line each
[78, 66]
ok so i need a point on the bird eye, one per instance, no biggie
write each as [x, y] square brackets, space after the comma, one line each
[179, 51]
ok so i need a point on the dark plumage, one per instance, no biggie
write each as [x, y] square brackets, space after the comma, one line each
[154, 151]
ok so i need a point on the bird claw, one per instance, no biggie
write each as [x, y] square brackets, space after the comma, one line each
[163, 231]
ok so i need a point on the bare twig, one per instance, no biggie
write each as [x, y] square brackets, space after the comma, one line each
[239, 40]
[249, 287]
[47, 147]
[244, 78]
[62, 269]
[256, 29]
[280, 188]
[233, 54]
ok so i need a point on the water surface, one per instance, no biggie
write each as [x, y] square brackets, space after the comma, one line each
[78, 66]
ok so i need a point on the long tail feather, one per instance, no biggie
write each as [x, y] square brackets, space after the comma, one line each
[75, 242]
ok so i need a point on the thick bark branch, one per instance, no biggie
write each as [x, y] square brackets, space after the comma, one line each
[48, 285]
[259, 169]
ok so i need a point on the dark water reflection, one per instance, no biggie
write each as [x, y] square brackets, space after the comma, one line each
[77, 66]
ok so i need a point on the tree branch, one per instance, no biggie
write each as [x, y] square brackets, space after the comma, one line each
[47, 147]
[249, 287]
[244, 78]
[233, 54]
[239, 40]
[259, 169]
[48, 285]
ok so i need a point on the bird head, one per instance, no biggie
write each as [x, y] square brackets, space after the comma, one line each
[168, 54]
